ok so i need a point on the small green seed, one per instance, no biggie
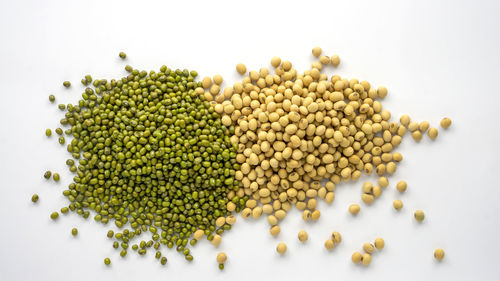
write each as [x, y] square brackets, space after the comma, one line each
[74, 231]
[116, 244]
[48, 132]
[88, 78]
[59, 131]
[62, 106]
[158, 255]
[70, 162]
[123, 253]
[64, 210]
[62, 140]
[122, 55]
[107, 261]
[47, 174]
[189, 257]
[128, 68]
[221, 266]
[34, 198]
[66, 84]
[52, 98]
[54, 215]
[56, 177]
[163, 261]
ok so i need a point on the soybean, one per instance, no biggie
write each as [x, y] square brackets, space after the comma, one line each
[281, 248]
[303, 236]
[439, 254]
[419, 215]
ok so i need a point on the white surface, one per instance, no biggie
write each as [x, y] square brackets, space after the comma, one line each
[437, 58]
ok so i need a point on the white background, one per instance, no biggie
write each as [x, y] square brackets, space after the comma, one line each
[437, 58]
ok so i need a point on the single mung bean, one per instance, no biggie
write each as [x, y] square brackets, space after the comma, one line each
[122, 55]
[47, 174]
[56, 177]
[48, 132]
[59, 131]
[52, 98]
[74, 231]
[66, 84]
[54, 215]
[107, 261]
[34, 198]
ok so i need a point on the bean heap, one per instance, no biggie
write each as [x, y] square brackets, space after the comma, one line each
[150, 155]
[295, 130]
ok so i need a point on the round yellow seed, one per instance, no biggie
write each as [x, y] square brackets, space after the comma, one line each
[281, 248]
[335, 60]
[275, 230]
[367, 259]
[324, 60]
[401, 186]
[377, 191]
[404, 120]
[423, 126]
[368, 247]
[382, 92]
[241, 68]
[383, 182]
[276, 61]
[218, 79]
[198, 234]
[217, 239]
[379, 243]
[221, 258]
[417, 135]
[419, 215]
[206, 82]
[367, 198]
[354, 209]
[303, 236]
[329, 244]
[315, 215]
[316, 51]
[446, 123]
[356, 257]
[398, 204]
[336, 237]
[439, 254]
[432, 133]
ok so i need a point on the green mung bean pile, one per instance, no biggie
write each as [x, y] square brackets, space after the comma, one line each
[152, 157]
